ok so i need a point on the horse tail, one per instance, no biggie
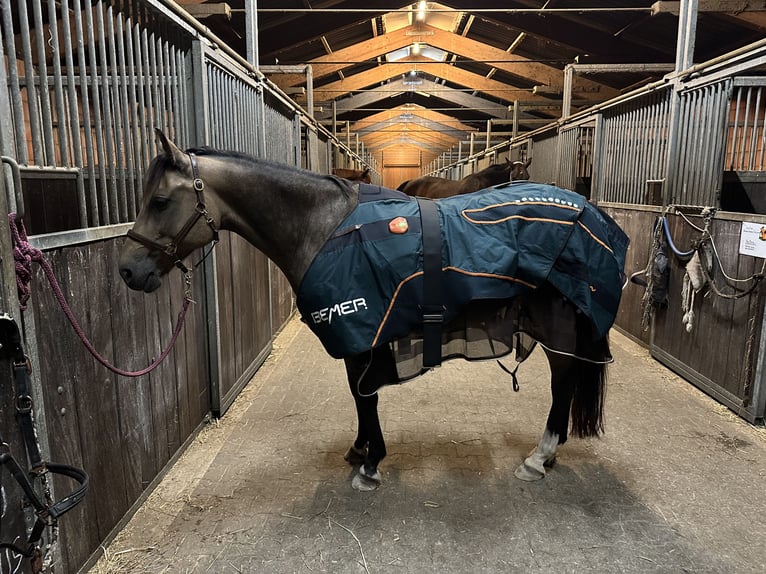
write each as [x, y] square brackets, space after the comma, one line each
[587, 411]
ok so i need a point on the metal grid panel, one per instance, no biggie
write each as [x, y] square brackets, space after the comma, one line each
[634, 147]
[545, 153]
[746, 144]
[568, 141]
[282, 148]
[323, 155]
[234, 110]
[118, 76]
[703, 126]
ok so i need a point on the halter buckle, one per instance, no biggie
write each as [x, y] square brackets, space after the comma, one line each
[199, 185]
[24, 404]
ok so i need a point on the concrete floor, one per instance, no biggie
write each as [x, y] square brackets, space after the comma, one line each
[677, 484]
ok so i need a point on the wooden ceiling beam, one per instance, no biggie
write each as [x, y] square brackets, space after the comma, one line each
[395, 87]
[355, 82]
[536, 72]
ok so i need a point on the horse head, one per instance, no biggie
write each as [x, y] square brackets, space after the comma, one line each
[519, 169]
[176, 217]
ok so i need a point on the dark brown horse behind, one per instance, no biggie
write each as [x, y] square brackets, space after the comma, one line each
[437, 187]
[353, 174]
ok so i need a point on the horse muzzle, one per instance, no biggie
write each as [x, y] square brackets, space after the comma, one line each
[139, 280]
[140, 270]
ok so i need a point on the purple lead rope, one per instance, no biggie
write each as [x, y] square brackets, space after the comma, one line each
[24, 254]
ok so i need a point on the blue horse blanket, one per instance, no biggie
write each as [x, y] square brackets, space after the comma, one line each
[365, 286]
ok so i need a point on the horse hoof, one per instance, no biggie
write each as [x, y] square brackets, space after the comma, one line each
[527, 473]
[364, 482]
[355, 456]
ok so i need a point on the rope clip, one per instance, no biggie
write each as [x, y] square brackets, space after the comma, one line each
[188, 286]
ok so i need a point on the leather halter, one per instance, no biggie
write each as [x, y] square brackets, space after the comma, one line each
[170, 249]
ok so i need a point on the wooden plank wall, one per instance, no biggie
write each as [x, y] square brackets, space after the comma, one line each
[282, 299]
[395, 175]
[720, 351]
[243, 314]
[636, 222]
[120, 430]
[719, 354]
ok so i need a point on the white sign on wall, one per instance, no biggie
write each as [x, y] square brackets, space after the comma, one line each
[752, 239]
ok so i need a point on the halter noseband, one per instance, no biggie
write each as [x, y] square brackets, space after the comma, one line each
[171, 248]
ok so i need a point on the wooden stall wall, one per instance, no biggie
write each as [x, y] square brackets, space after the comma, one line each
[282, 299]
[120, 430]
[637, 222]
[720, 352]
[243, 314]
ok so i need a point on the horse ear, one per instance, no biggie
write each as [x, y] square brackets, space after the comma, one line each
[528, 162]
[172, 152]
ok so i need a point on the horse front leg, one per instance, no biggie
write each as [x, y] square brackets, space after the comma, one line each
[366, 373]
[563, 384]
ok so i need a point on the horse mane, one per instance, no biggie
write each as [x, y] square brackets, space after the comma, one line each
[251, 160]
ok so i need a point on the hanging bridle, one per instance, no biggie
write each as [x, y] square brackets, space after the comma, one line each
[171, 248]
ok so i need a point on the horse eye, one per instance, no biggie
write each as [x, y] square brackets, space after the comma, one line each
[160, 203]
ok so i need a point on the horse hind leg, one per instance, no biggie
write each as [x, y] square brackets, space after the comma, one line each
[369, 447]
[544, 455]
[577, 387]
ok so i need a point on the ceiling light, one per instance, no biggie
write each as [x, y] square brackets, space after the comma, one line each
[421, 15]
[416, 48]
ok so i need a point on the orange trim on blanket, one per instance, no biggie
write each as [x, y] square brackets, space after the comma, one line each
[455, 269]
[391, 305]
[596, 239]
[496, 205]
[491, 276]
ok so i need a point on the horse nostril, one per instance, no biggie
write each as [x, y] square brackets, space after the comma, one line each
[126, 274]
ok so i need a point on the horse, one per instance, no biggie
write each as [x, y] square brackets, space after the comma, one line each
[439, 187]
[289, 213]
[353, 174]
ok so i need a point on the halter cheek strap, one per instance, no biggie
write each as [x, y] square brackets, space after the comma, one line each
[171, 248]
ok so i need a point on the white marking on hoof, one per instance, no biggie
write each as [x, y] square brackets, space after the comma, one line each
[366, 482]
[533, 467]
[527, 473]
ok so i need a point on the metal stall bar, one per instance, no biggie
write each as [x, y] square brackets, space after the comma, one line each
[13, 81]
[45, 104]
[92, 193]
[701, 145]
[108, 122]
[127, 91]
[29, 79]
[98, 152]
[567, 157]
[754, 132]
[58, 87]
